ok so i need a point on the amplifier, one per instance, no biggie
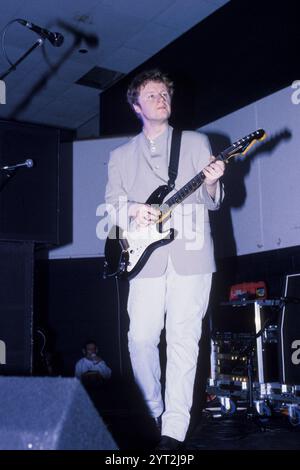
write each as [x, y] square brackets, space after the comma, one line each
[230, 353]
[258, 340]
[290, 332]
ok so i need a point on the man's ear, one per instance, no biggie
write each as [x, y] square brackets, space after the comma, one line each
[83, 351]
[137, 108]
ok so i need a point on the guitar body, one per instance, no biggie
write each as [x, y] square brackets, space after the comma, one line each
[126, 253]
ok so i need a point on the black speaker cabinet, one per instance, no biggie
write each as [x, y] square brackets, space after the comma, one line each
[39, 413]
[16, 307]
[29, 196]
[290, 331]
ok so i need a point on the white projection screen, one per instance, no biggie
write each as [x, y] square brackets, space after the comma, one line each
[270, 216]
[90, 158]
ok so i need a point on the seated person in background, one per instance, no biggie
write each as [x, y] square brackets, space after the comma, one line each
[91, 363]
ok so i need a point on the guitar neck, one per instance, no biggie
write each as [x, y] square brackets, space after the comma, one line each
[240, 147]
[188, 189]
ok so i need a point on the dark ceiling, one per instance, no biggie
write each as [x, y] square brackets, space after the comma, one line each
[244, 51]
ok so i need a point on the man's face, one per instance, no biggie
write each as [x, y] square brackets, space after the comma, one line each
[154, 103]
[90, 350]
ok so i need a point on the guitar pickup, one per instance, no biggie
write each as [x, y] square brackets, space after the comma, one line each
[124, 244]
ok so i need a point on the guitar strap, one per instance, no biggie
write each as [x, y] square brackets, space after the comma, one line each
[174, 157]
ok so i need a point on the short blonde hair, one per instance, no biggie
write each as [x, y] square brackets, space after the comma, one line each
[142, 79]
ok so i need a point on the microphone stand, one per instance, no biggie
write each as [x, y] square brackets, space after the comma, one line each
[44, 79]
[5, 176]
[38, 43]
[10, 171]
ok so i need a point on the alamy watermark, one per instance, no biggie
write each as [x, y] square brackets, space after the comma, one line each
[2, 92]
[2, 352]
[296, 354]
[187, 219]
[295, 98]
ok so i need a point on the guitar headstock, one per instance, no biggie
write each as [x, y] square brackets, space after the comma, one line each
[242, 146]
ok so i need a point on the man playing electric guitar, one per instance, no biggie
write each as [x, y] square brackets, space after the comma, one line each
[176, 279]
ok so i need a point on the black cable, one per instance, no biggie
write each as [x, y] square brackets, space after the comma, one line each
[260, 332]
[3, 34]
[119, 325]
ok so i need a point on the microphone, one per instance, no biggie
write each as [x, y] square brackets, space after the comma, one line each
[56, 39]
[29, 163]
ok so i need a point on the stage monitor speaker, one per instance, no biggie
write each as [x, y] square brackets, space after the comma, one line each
[49, 413]
[290, 331]
[16, 307]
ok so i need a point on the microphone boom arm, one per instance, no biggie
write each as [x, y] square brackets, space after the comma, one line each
[28, 163]
[38, 43]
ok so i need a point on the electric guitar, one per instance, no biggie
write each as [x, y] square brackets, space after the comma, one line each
[126, 252]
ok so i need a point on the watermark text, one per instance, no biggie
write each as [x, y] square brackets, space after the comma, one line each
[2, 92]
[2, 352]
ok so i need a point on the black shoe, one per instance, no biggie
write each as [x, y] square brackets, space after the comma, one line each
[168, 443]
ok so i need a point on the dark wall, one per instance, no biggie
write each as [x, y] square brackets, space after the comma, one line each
[269, 266]
[74, 303]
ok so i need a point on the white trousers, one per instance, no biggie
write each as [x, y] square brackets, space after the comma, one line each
[184, 300]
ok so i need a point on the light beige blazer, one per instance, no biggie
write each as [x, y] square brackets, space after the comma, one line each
[133, 175]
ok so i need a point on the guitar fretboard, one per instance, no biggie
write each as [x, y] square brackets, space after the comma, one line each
[183, 193]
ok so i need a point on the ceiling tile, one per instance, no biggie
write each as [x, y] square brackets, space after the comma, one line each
[125, 59]
[140, 9]
[9, 12]
[116, 25]
[185, 18]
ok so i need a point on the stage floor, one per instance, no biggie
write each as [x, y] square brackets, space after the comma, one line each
[123, 411]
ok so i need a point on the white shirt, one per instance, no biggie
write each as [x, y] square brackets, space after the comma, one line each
[87, 365]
